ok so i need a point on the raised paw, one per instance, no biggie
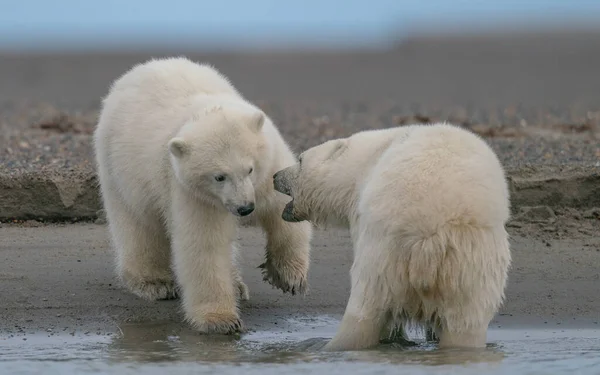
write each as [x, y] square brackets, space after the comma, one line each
[152, 290]
[243, 290]
[217, 323]
[288, 276]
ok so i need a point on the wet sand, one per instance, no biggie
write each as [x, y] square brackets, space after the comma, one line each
[59, 279]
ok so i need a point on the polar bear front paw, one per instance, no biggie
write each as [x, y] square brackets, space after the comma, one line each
[152, 290]
[244, 292]
[217, 323]
[289, 276]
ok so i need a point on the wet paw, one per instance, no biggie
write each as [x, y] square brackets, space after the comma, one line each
[152, 290]
[289, 277]
[218, 323]
[244, 292]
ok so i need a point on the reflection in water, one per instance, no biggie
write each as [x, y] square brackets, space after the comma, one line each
[174, 348]
[173, 342]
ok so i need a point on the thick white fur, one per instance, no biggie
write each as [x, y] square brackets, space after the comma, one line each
[426, 206]
[166, 129]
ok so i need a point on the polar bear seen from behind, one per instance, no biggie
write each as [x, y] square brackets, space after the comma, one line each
[426, 206]
[181, 157]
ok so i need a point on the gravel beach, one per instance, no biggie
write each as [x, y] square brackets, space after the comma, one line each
[536, 98]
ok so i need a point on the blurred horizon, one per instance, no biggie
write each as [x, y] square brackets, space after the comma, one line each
[77, 25]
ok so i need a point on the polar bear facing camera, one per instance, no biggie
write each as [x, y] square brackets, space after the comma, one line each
[181, 158]
[426, 206]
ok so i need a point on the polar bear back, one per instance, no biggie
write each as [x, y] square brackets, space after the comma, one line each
[433, 176]
[143, 110]
[174, 78]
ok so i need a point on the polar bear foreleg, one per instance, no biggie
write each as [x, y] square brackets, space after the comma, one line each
[360, 328]
[365, 318]
[203, 245]
[288, 249]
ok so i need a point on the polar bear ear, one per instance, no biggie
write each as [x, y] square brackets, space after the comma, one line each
[256, 121]
[340, 146]
[178, 147]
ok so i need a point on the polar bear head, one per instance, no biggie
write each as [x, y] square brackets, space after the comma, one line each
[319, 184]
[218, 155]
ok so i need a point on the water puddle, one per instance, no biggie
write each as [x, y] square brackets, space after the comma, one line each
[160, 348]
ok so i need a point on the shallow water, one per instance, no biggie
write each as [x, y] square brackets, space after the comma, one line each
[167, 348]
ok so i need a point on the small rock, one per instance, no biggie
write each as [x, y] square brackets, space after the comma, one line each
[32, 224]
[514, 224]
[592, 213]
[541, 214]
[101, 217]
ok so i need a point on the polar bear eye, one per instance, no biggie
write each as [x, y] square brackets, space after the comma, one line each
[251, 170]
[220, 178]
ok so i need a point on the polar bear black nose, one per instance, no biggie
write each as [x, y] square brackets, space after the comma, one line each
[246, 210]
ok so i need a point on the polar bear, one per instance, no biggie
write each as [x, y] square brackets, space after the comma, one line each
[426, 206]
[183, 159]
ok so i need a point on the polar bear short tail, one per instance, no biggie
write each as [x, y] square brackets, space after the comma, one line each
[458, 272]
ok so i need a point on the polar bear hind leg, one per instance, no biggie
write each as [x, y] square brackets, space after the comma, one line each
[143, 251]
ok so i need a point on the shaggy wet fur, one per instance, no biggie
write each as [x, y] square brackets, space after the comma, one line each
[182, 156]
[426, 206]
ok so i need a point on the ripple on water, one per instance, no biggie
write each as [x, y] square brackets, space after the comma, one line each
[157, 348]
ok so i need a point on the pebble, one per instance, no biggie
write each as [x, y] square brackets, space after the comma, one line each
[593, 213]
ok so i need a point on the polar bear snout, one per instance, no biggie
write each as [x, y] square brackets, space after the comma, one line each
[246, 209]
[289, 213]
[280, 183]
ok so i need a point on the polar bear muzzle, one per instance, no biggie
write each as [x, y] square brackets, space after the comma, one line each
[281, 183]
[289, 214]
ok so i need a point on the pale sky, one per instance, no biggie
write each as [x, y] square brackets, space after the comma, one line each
[35, 23]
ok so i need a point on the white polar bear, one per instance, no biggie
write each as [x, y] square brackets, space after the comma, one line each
[181, 156]
[426, 206]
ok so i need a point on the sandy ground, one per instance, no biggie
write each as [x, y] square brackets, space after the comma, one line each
[59, 279]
